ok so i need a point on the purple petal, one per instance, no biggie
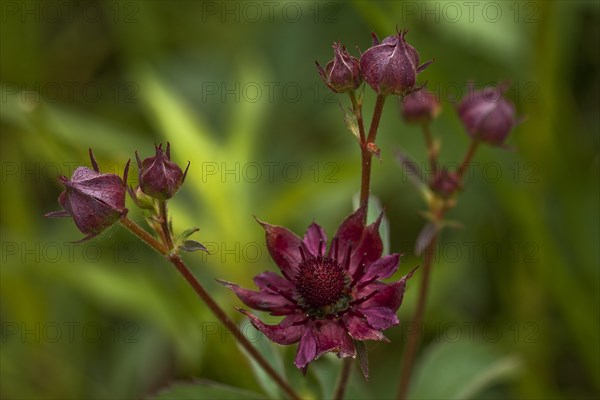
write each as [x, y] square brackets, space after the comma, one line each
[359, 329]
[369, 248]
[380, 317]
[265, 301]
[90, 215]
[284, 247]
[315, 239]
[388, 295]
[351, 230]
[307, 350]
[332, 336]
[288, 331]
[270, 281]
[382, 268]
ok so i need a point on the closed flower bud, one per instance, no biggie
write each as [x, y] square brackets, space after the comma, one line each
[94, 200]
[487, 116]
[420, 107]
[342, 74]
[391, 67]
[159, 177]
[445, 182]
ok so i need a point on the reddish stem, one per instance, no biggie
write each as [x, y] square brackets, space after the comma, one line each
[414, 335]
[343, 380]
[467, 159]
[366, 153]
[176, 260]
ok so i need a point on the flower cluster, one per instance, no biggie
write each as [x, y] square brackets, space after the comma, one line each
[390, 67]
[329, 298]
[96, 201]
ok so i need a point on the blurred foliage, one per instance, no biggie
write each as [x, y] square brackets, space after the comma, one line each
[237, 94]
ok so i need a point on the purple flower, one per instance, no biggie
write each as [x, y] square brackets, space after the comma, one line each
[328, 298]
[94, 200]
[487, 115]
[159, 177]
[342, 74]
[420, 107]
[391, 67]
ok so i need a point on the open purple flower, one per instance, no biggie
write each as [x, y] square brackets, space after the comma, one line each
[328, 298]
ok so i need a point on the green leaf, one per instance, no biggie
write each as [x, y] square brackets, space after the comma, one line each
[460, 370]
[204, 389]
[267, 350]
[363, 357]
[187, 233]
[351, 122]
[191, 245]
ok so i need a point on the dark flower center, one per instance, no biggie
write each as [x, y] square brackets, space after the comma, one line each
[322, 286]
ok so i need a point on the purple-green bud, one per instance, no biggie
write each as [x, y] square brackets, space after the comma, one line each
[391, 67]
[159, 177]
[342, 74]
[487, 116]
[420, 107]
[445, 182]
[94, 200]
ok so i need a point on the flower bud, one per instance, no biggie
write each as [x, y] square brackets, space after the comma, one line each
[94, 200]
[342, 74]
[159, 177]
[420, 107]
[445, 182]
[487, 115]
[391, 67]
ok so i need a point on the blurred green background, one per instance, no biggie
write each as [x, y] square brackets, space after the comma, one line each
[514, 305]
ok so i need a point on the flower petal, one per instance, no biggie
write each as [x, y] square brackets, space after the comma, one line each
[263, 300]
[288, 331]
[388, 295]
[307, 350]
[332, 336]
[382, 268]
[284, 248]
[350, 231]
[272, 282]
[380, 317]
[369, 248]
[315, 239]
[359, 329]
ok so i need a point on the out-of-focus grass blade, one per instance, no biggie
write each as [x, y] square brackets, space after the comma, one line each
[204, 390]
[268, 350]
[460, 370]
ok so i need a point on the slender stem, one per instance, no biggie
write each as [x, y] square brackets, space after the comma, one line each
[366, 153]
[467, 160]
[376, 118]
[220, 314]
[164, 223]
[176, 260]
[431, 150]
[414, 335]
[343, 379]
[145, 236]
